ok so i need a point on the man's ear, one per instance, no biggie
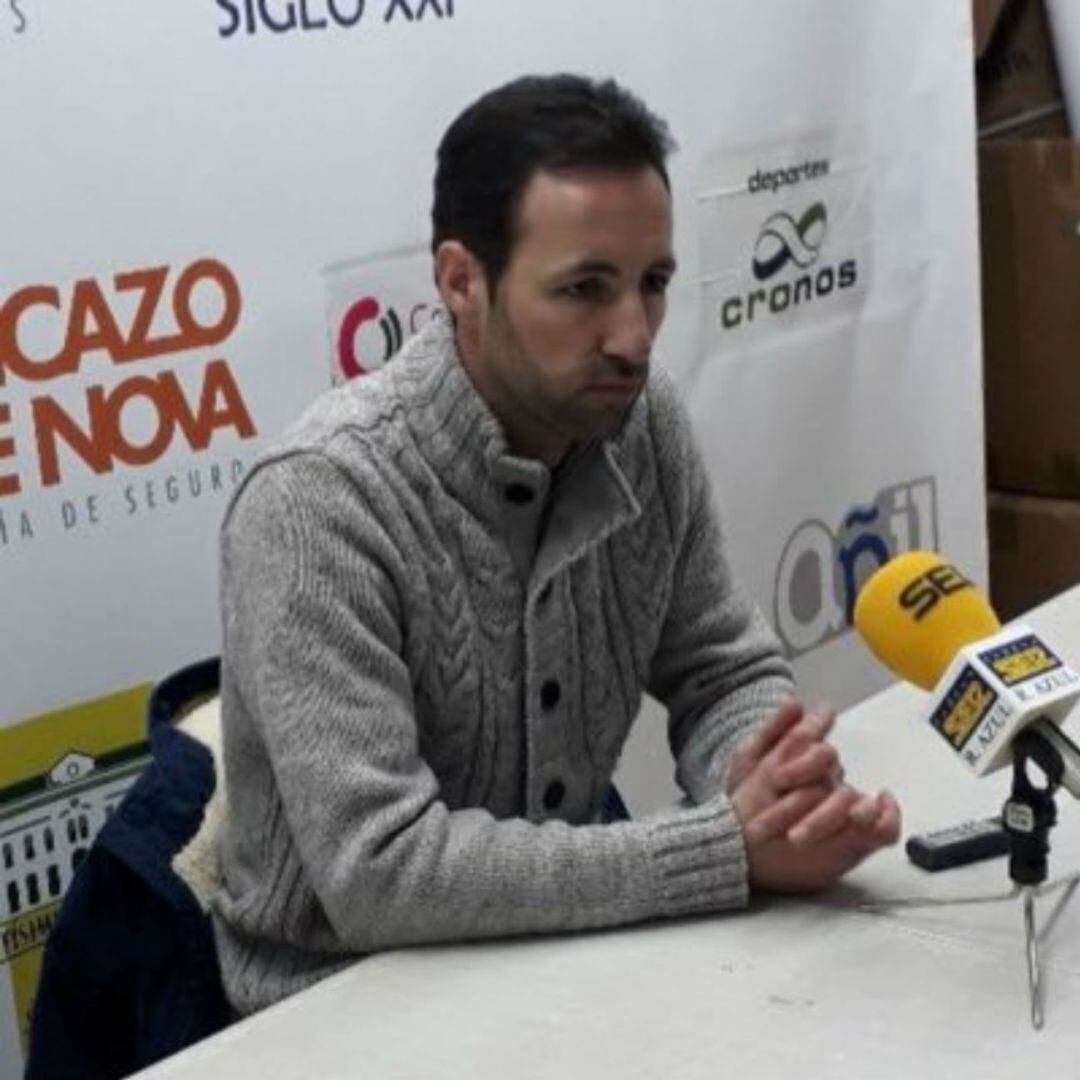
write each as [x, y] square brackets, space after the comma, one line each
[459, 277]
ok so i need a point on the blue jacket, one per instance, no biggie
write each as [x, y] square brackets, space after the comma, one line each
[130, 972]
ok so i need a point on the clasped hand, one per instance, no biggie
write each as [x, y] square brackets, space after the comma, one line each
[803, 826]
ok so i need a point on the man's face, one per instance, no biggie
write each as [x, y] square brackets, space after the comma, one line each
[562, 349]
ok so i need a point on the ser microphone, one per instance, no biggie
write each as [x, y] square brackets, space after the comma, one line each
[931, 626]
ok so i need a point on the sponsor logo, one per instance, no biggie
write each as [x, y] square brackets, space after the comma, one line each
[1040, 687]
[99, 438]
[987, 734]
[361, 351]
[290, 16]
[921, 596]
[794, 244]
[784, 240]
[90, 355]
[963, 708]
[1018, 661]
[59, 784]
[772, 180]
[822, 569]
[21, 935]
[16, 16]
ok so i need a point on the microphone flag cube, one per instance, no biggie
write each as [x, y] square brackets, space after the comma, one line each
[993, 689]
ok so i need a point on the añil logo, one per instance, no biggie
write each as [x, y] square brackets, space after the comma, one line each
[791, 244]
[369, 336]
[822, 570]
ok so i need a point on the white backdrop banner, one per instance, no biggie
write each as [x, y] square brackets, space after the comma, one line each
[213, 210]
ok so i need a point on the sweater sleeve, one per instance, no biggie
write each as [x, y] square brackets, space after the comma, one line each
[719, 668]
[315, 641]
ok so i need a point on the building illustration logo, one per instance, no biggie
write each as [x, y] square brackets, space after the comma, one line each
[61, 779]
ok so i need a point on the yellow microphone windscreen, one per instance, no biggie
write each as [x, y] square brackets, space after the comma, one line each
[917, 612]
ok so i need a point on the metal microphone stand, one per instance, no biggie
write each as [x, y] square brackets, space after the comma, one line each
[1028, 815]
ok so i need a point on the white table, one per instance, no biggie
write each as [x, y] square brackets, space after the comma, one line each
[792, 988]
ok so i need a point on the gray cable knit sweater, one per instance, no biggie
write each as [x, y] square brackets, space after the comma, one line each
[433, 652]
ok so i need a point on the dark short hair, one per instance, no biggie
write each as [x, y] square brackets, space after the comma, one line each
[557, 123]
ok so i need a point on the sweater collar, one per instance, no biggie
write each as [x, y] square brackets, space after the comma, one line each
[465, 444]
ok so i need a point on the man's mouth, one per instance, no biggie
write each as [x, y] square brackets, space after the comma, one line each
[616, 388]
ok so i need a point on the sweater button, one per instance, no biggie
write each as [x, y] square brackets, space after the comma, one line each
[554, 795]
[550, 693]
[519, 494]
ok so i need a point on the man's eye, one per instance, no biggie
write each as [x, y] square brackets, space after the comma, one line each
[656, 284]
[586, 289]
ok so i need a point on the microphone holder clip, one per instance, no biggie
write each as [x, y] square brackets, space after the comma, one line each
[1028, 815]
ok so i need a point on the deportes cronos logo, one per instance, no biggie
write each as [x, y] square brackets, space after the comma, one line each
[784, 240]
[787, 261]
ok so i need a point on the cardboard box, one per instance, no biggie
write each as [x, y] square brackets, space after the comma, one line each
[1034, 550]
[1018, 91]
[984, 14]
[1030, 208]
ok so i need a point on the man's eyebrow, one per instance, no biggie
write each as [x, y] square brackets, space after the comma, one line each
[609, 269]
[589, 266]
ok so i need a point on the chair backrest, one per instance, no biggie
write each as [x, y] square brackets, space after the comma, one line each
[130, 973]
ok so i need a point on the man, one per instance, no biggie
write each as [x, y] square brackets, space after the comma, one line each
[446, 589]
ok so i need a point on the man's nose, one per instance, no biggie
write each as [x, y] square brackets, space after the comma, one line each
[629, 332]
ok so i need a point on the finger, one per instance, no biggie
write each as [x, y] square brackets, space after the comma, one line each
[888, 825]
[753, 749]
[812, 728]
[883, 829]
[865, 811]
[778, 818]
[878, 812]
[817, 764]
[817, 722]
[829, 817]
[787, 716]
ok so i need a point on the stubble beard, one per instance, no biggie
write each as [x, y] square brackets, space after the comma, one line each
[524, 395]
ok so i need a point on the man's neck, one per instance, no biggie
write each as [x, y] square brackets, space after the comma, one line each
[541, 446]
